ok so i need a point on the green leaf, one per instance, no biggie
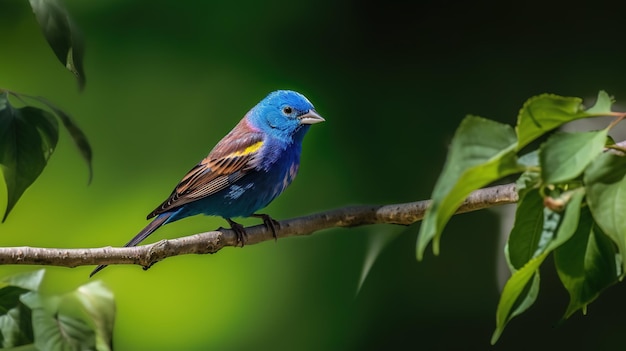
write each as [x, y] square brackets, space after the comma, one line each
[602, 106]
[566, 155]
[512, 295]
[569, 220]
[538, 229]
[56, 331]
[543, 113]
[605, 180]
[537, 232]
[586, 264]
[530, 159]
[78, 320]
[15, 318]
[28, 137]
[16, 327]
[98, 304]
[527, 230]
[62, 35]
[378, 238]
[482, 151]
[12, 287]
[82, 319]
[27, 281]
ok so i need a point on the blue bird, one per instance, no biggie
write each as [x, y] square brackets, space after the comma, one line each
[245, 171]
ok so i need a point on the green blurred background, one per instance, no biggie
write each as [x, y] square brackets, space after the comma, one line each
[167, 79]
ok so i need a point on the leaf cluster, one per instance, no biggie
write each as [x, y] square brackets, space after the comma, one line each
[29, 134]
[78, 320]
[572, 193]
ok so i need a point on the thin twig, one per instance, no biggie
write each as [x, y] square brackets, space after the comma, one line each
[212, 242]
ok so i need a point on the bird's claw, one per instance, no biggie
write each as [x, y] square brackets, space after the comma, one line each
[269, 222]
[240, 232]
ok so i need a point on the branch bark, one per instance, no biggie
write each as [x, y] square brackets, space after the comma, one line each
[213, 241]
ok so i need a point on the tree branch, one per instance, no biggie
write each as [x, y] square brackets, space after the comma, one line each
[212, 242]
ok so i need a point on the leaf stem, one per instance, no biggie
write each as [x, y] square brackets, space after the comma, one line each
[620, 116]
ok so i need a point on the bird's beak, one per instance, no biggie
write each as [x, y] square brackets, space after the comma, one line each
[311, 117]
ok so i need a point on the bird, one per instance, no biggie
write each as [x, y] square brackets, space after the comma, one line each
[245, 171]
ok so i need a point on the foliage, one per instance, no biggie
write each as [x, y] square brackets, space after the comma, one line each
[78, 320]
[28, 135]
[81, 319]
[571, 197]
[62, 35]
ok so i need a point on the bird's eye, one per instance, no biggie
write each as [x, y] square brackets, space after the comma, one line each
[287, 110]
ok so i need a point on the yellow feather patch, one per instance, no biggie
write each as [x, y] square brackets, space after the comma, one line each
[250, 149]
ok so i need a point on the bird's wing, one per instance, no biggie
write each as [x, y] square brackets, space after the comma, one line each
[230, 160]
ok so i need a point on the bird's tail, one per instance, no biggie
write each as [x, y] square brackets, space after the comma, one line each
[143, 234]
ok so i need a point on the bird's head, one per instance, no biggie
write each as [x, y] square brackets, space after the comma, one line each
[285, 114]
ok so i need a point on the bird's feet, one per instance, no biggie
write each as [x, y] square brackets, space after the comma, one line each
[239, 230]
[269, 222]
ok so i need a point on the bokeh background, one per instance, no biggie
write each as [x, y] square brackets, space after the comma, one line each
[167, 79]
